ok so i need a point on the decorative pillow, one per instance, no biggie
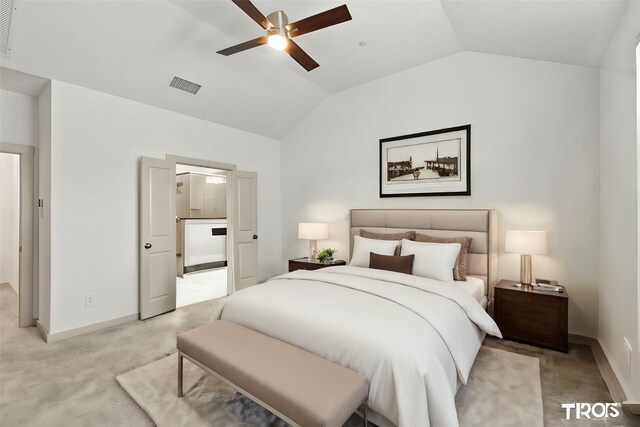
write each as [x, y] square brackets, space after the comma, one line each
[433, 260]
[362, 247]
[400, 264]
[460, 269]
[411, 235]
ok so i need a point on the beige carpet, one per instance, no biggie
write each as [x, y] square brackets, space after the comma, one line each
[501, 383]
[502, 386]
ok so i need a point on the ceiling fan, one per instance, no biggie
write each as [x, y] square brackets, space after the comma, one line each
[280, 33]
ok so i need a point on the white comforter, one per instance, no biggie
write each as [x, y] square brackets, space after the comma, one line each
[412, 337]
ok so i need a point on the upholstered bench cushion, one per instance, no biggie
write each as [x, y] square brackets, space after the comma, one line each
[308, 389]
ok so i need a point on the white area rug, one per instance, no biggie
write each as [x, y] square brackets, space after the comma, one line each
[503, 390]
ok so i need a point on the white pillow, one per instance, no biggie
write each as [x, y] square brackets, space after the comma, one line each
[432, 260]
[362, 247]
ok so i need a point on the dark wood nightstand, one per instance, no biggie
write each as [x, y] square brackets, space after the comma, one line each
[531, 316]
[306, 264]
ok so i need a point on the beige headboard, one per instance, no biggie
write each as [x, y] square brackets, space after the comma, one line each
[481, 224]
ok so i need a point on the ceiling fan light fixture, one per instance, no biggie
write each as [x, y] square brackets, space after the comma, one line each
[277, 36]
[277, 41]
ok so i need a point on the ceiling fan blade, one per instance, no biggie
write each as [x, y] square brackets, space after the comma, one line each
[253, 12]
[317, 22]
[300, 56]
[244, 46]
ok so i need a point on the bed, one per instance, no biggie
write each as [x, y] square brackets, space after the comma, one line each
[414, 338]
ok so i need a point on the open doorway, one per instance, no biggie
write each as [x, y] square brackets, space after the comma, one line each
[158, 241]
[10, 222]
[202, 195]
[18, 232]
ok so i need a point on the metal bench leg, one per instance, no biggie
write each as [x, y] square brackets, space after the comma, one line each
[180, 359]
[364, 414]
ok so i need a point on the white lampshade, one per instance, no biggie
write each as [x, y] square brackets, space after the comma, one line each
[526, 242]
[313, 230]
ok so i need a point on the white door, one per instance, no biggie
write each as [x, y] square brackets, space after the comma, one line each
[157, 237]
[246, 237]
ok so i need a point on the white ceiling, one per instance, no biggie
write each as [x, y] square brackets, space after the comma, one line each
[574, 32]
[399, 35]
[133, 48]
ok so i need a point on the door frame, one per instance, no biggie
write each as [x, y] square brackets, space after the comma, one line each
[28, 247]
[231, 206]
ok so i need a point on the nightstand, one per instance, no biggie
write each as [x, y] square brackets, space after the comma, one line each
[307, 264]
[531, 316]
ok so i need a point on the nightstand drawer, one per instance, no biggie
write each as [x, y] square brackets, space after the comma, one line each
[528, 321]
[530, 308]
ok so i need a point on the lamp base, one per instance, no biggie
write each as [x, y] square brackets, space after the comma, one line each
[525, 269]
[313, 250]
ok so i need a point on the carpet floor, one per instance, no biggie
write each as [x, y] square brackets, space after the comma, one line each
[72, 382]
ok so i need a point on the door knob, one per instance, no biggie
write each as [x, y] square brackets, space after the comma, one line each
[147, 245]
[255, 237]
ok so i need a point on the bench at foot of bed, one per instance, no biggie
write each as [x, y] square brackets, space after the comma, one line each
[301, 388]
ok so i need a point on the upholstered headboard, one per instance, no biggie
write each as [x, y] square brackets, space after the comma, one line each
[481, 224]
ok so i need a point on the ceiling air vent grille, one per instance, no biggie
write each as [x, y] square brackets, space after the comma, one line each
[6, 13]
[185, 85]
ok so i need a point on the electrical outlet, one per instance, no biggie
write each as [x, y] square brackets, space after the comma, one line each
[90, 300]
[627, 356]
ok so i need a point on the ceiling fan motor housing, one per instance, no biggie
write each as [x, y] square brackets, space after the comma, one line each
[279, 22]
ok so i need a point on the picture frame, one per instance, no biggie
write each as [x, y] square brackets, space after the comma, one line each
[432, 163]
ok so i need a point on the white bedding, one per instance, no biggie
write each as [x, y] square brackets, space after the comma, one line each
[474, 286]
[412, 337]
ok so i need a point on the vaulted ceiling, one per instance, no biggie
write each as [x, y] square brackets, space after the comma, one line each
[132, 49]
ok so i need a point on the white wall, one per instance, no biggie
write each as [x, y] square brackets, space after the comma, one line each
[534, 151]
[19, 124]
[97, 140]
[10, 219]
[618, 203]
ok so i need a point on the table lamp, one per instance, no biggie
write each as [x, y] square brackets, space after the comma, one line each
[526, 243]
[313, 231]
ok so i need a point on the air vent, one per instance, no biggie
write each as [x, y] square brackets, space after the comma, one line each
[185, 85]
[6, 14]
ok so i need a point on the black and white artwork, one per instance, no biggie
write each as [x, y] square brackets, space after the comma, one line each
[434, 163]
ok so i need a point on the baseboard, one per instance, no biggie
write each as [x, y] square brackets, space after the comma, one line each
[632, 409]
[42, 330]
[59, 336]
[609, 376]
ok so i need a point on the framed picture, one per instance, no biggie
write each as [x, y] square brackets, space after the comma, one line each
[434, 163]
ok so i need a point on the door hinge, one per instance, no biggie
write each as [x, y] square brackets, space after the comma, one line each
[40, 203]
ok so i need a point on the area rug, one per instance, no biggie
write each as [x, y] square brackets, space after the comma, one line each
[503, 389]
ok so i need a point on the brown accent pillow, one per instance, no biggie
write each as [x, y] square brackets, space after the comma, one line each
[400, 264]
[460, 268]
[409, 235]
